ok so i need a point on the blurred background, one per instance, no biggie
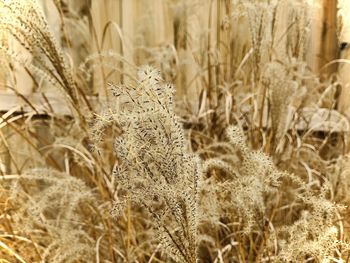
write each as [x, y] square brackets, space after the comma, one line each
[200, 46]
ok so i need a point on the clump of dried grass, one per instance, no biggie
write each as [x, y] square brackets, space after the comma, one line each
[50, 209]
[155, 170]
[242, 176]
[26, 23]
[248, 209]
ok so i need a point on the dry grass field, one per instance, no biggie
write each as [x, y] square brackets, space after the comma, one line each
[174, 131]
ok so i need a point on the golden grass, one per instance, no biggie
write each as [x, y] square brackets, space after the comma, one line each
[248, 164]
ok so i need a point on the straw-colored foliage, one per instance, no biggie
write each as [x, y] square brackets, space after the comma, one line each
[245, 160]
